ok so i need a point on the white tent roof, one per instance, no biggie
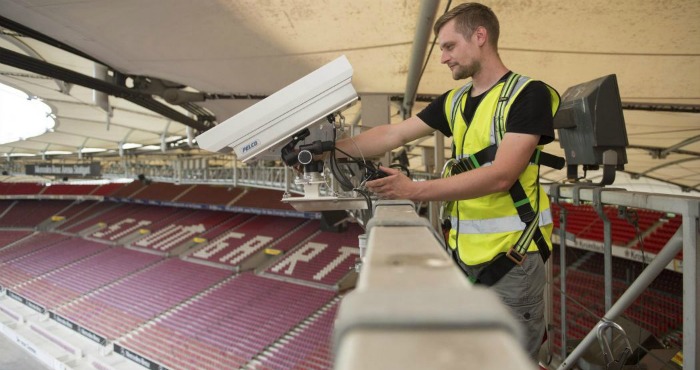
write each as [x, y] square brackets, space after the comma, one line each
[257, 47]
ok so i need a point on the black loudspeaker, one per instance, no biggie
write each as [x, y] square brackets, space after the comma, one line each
[4, 173]
[334, 221]
[141, 177]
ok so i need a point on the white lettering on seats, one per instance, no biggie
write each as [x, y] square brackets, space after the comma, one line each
[121, 228]
[245, 250]
[303, 254]
[217, 246]
[345, 253]
[170, 234]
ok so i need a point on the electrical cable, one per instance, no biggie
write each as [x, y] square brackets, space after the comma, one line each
[340, 176]
[369, 169]
[344, 182]
[352, 140]
[403, 169]
[367, 198]
[348, 155]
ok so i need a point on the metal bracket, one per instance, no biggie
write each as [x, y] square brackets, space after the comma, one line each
[555, 194]
[576, 192]
[598, 204]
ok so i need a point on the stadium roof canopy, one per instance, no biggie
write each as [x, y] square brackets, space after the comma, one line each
[235, 52]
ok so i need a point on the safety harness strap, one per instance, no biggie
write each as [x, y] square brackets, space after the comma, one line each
[488, 154]
[504, 262]
[454, 108]
[498, 117]
[456, 101]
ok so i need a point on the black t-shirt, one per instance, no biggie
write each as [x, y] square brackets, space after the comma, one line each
[531, 112]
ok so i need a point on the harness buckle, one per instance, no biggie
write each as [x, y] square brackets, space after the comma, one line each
[516, 257]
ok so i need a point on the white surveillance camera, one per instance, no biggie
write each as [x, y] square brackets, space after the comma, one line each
[260, 130]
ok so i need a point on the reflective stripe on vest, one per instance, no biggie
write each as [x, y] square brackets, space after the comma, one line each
[498, 225]
[501, 129]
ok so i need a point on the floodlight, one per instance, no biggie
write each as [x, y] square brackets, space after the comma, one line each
[262, 129]
[592, 127]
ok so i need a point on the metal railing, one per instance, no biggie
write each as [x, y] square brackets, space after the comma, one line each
[686, 240]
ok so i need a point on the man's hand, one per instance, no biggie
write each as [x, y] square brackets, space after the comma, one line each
[394, 186]
[511, 160]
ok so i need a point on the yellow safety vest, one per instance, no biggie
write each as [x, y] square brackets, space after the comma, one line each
[486, 226]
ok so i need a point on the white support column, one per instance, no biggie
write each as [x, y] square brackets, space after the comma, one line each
[286, 179]
[178, 170]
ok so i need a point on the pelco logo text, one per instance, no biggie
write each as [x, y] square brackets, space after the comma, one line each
[250, 146]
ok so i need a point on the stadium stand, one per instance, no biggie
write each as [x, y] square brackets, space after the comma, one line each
[228, 326]
[658, 238]
[262, 198]
[29, 245]
[127, 219]
[337, 253]
[658, 310]
[66, 189]
[8, 237]
[169, 234]
[305, 347]
[182, 315]
[161, 191]
[30, 213]
[210, 194]
[231, 223]
[128, 190]
[64, 285]
[107, 189]
[299, 235]
[87, 218]
[130, 302]
[239, 243]
[20, 188]
[5, 205]
[584, 222]
[75, 208]
[46, 260]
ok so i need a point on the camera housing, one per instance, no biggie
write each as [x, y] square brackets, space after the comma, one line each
[260, 131]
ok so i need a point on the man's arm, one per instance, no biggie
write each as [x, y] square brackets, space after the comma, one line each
[381, 139]
[512, 158]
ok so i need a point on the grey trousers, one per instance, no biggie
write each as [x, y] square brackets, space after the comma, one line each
[522, 290]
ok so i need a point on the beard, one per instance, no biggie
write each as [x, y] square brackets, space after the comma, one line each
[462, 72]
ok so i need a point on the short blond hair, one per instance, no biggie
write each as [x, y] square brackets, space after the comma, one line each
[468, 17]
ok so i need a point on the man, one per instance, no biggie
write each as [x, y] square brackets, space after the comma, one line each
[488, 218]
